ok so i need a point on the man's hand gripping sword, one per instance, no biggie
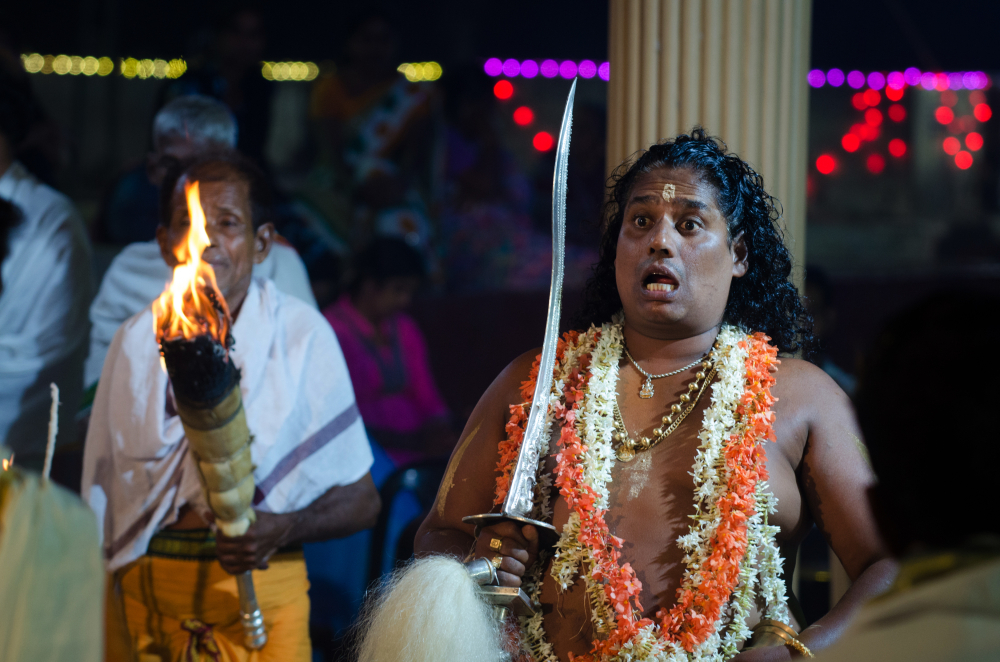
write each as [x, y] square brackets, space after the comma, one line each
[518, 505]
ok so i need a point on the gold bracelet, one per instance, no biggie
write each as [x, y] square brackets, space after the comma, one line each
[789, 636]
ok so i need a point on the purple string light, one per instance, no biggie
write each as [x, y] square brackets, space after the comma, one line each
[493, 67]
[816, 78]
[957, 80]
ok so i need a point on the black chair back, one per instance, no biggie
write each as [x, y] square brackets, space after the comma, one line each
[420, 479]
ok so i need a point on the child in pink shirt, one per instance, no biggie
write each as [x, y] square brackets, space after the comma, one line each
[386, 354]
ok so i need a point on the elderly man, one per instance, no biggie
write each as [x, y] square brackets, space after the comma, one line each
[45, 286]
[310, 453]
[686, 462]
[186, 127]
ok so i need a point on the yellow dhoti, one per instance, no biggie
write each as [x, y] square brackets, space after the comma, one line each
[183, 607]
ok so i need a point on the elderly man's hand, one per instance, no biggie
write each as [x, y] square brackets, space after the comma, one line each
[252, 550]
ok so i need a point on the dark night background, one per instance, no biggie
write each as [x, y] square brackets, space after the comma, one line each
[872, 34]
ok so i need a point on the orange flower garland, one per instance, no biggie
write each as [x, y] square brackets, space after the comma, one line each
[511, 446]
[694, 618]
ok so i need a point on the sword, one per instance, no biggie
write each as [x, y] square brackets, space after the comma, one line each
[518, 504]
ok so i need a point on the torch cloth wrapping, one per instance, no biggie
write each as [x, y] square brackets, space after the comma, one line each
[220, 441]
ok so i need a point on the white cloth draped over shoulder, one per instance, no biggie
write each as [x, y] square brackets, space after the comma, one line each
[300, 408]
[43, 314]
[138, 275]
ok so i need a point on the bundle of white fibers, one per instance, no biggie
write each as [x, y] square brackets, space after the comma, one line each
[429, 611]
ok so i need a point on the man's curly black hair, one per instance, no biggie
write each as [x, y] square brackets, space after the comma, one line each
[763, 299]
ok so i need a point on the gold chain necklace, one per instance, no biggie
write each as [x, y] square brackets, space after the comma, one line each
[628, 447]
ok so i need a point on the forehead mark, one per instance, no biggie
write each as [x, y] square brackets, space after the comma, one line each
[669, 191]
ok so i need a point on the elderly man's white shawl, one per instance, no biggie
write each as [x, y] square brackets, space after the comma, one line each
[138, 275]
[308, 435]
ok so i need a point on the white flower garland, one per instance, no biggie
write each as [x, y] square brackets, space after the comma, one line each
[762, 562]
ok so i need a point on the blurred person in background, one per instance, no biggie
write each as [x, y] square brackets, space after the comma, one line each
[489, 239]
[46, 286]
[820, 304]
[231, 73]
[935, 490]
[376, 137]
[41, 148]
[185, 128]
[968, 244]
[386, 354]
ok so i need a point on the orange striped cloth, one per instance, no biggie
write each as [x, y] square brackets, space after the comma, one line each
[163, 609]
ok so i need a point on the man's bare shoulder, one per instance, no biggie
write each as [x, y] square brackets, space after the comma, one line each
[801, 382]
[506, 388]
[807, 399]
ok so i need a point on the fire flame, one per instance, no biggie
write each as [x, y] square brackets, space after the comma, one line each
[192, 305]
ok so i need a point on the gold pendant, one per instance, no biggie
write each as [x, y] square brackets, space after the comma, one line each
[646, 392]
[625, 453]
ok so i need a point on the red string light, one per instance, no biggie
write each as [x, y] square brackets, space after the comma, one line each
[944, 114]
[826, 164]
[875, 163]
[543, 141]
[850, 143]
[982, 112]
[503, 90]
[951, 145]
[872, 97]
[897, 147]
[524, 116]
[896, 112]
[963, 160]
[974, 141]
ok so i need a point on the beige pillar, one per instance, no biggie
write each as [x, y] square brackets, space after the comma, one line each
[736, 67]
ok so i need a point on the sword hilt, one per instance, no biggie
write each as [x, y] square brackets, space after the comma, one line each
[254, 634]
[547, 534]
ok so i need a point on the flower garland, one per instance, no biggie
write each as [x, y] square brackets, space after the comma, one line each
[729, 526]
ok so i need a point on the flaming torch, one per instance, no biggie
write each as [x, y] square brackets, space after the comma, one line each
[192, 325]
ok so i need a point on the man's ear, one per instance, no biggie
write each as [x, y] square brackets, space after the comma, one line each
[166, 249]
[739, 252]
[262, 242]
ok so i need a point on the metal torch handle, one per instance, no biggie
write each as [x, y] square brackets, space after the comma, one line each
[254, 635]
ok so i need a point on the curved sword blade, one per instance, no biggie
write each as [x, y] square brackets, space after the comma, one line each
[520, 496]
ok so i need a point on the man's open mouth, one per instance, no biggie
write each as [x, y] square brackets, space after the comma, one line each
[659, 283]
